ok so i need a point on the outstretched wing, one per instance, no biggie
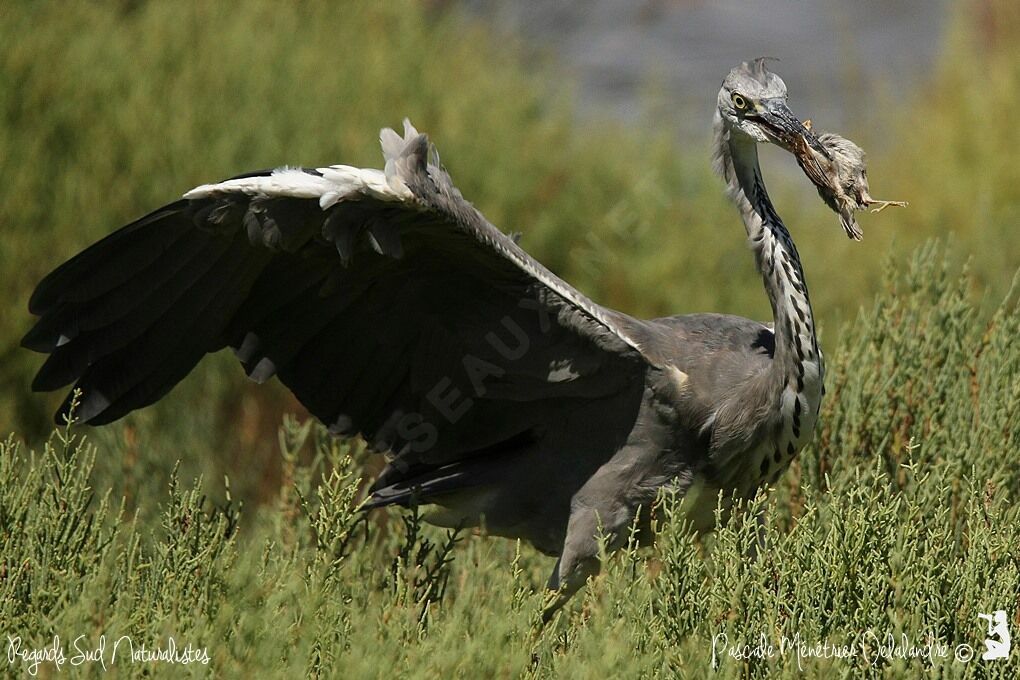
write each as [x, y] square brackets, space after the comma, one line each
[382, 299]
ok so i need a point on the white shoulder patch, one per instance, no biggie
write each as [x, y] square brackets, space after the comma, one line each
[678, 378]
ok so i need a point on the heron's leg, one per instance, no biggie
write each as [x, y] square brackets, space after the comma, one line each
[580, 557]
[557, 594]
[564, 583]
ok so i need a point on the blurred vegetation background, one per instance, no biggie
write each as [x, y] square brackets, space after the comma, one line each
[110, 109]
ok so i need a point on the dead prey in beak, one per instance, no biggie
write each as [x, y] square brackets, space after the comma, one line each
[838, 169]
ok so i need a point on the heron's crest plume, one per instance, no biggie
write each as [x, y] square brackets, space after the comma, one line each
[755, 79]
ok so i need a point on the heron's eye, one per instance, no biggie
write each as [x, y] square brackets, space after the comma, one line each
[739, 101]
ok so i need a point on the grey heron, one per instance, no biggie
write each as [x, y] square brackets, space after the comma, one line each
[393, 310]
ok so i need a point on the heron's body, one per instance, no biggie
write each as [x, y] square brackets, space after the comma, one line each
[394, 310]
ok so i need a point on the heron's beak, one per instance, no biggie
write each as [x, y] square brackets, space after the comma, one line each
[784, 128]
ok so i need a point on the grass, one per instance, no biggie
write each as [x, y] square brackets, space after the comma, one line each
[902, 517]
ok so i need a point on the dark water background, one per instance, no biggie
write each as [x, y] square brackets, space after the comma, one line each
[840, 59]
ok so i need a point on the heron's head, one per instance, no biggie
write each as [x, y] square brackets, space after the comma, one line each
[752, 102]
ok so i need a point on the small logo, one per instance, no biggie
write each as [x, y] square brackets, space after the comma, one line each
[997, 628]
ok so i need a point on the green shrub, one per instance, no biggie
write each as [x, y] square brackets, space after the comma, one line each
[903, 518]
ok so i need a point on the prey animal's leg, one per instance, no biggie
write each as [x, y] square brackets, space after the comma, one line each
[882, 205]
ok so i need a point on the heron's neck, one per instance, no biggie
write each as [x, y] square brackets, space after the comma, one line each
[796, 360]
